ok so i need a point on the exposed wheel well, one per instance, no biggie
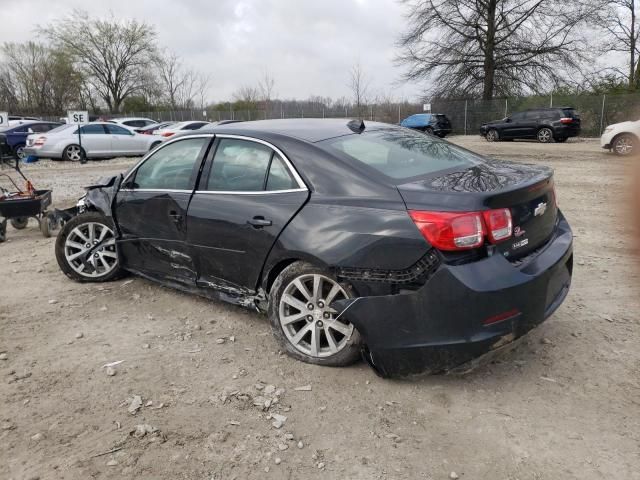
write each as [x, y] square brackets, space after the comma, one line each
[635, 137]
[275, 271]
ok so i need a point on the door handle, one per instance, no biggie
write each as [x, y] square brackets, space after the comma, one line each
[259, 222]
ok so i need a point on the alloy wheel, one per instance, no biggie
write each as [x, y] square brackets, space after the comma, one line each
[623, 145]
[307, 319]
[545, 135]
[90, 249]
[492, 136]
[20, 152]
[74, 153]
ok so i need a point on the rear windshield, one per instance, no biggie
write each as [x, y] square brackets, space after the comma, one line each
[400, 153]
[570, 112]
[61, 128]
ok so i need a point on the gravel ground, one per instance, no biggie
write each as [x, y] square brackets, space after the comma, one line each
[182, 404]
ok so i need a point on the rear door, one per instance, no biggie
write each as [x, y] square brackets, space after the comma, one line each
[151, 211]
[247, 194]
[124, 141]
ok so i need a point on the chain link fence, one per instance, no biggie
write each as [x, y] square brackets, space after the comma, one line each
[596, 111]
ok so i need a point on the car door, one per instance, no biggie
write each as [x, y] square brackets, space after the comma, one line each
[530, 124]
[124, 141]
[151, 211]
[247, 193]
[94, 139]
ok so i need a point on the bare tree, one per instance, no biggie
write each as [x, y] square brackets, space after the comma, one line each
[266, 85]
[246, 94]
[359, 85]
[493, 47]
[114, 54]
[622, 29]
[172, 77]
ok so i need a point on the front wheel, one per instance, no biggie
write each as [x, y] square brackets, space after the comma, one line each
[86, 249]
[19, 223]
[303, 321]
[545, 135]
[74, 153]
[18, 151]
[428, 131]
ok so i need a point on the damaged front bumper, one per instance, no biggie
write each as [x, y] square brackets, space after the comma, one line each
[462, 312]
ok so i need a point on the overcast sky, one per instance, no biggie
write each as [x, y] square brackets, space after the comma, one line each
[307, 45]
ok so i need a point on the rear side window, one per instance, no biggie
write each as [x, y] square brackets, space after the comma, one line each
[117, 130]
[279, 176]
[401, 154]
[170, 167]
[239, 166]
[135, 123]
[95, 129]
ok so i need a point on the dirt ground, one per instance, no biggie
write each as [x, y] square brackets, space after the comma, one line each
[564, 404]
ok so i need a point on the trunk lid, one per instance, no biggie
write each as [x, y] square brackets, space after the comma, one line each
[526, 190]
[442, 122]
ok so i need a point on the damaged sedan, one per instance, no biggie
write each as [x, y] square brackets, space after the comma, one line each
[356, 239]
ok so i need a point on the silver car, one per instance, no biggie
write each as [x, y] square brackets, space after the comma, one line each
[94, 140]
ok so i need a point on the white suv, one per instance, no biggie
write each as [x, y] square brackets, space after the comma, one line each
[621, 138]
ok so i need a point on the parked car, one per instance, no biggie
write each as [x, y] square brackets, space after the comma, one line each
[16, 136]
[433, 123]
[153, 128]
[621, 138]
[181, 126]
[353, 237]
[133, 123]
[14, 120]
[98, 140]
[544, 124]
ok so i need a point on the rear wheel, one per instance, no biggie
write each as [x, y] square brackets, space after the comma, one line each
[18, 151]
[428, 131]
[86, 249]
[303, 321]
[74, 153]
[19, 222]
[545, 135]
[624, 144]
[492, 135]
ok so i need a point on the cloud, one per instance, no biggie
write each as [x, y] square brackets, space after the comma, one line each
[307, 46]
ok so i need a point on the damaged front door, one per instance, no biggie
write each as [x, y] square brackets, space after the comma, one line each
[151, 211]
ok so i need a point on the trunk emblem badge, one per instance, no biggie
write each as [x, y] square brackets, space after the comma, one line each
[540, 209]
[518, 232]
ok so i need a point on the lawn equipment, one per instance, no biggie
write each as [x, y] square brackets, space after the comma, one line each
[18, 205]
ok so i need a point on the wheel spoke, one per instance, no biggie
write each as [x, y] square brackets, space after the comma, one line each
[77, 245]
[294, 302]
[302, 288]
[315, 341]
[109, 253]
[332, 343]
[303, 331]
[81, 235]
[92, 232]
[103, 233]
[103, 262]
[292, 318]
[76, 255]
[340, 327]
[332, 293]
[317, 287]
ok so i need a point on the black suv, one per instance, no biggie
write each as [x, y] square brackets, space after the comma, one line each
[544, 124]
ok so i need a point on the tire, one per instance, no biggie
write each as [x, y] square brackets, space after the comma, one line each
[74, 153]
[48, 224]
[3, 230]
[428, 131]
[545, 135]
[19, 223]
[317, 322]
[492, 135]
[18, 151]
[74, 238]
[624, 144]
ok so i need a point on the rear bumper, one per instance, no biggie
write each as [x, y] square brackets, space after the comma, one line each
[566, 131]
[442, 325]
[42, 152]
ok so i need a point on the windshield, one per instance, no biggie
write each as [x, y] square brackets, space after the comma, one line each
[400, 153]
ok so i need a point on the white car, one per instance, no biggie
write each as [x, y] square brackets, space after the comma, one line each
[181, 126]
[97, 140]
[132, 123]
[621, 138]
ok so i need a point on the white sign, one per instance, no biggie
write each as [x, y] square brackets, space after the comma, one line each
[426, 107]
[4, 119]
[77, 117]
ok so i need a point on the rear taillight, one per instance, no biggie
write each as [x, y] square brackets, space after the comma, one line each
[450, 230]
[463, 230]
[566, 120]
[499, 224]
[39, 141]
[167, 134]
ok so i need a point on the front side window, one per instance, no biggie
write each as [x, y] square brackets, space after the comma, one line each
[171, 167]
[117, 130]
[239, 166]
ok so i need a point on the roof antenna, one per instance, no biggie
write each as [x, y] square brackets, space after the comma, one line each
[356, 126]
